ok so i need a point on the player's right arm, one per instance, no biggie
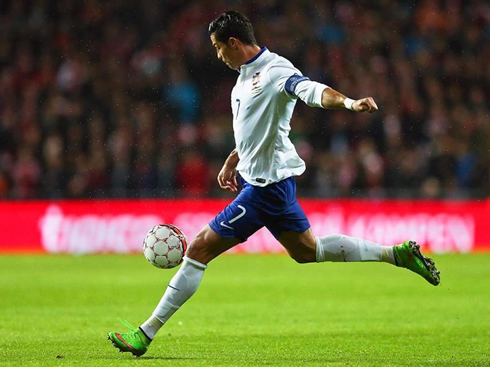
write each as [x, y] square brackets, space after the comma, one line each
[227, 175]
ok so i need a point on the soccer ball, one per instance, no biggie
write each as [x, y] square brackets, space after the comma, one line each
[164, 246]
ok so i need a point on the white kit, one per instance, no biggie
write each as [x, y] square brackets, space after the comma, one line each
[263, 101]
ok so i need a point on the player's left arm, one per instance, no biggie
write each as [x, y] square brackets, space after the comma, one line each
[289, 80]
[332, 99]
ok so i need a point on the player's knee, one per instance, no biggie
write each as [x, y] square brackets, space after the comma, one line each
[197, 249]
[207, 245]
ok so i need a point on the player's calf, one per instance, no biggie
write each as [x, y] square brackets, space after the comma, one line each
[300, 246]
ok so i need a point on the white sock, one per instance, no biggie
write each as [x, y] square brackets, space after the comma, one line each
[182, 286]
[344, 248]
[151, 326]
[387, 255]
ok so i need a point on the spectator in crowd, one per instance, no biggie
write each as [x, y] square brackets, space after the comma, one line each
[125, 99]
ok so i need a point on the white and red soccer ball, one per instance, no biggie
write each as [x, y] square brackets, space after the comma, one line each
[164, 246]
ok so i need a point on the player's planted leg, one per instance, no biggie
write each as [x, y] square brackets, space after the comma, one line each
[182, 286]
[205, 247]
[134, 341]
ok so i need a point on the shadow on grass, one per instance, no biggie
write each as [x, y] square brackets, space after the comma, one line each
[168, 358]
[129, 357]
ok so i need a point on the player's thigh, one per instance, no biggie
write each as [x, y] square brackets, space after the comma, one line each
[300, 246]
[208, 244]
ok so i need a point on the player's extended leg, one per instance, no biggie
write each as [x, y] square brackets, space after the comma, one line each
[304, 247]
[206, 246]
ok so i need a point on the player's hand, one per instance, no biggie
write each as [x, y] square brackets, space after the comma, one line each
[365, 105]
[227, 179]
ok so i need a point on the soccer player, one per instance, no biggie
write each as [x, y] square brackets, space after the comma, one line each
[266, 161]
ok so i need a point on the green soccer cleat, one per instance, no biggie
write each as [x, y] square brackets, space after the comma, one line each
[134, 341]
[408, 255]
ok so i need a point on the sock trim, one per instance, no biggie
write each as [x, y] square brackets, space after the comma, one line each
[145, 333]
[196, 263]
[318, 251]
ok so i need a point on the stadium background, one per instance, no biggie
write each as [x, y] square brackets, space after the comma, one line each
[115, 115]
[126, 100]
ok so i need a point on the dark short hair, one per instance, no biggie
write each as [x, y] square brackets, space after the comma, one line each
[232, 24]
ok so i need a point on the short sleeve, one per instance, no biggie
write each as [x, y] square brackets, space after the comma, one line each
[280, 77]
[294, 84]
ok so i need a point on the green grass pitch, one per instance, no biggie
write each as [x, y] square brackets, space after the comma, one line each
[249, 311]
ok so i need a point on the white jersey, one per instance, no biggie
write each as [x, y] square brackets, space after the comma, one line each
[263, 101]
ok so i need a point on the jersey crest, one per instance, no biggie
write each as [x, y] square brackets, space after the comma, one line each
[256, 87]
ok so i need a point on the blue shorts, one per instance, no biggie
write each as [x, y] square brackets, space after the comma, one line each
[273, 206]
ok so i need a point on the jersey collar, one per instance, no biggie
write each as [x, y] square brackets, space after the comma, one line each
[255, 61]
[256, 56]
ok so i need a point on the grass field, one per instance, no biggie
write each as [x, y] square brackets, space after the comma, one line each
[249, 311]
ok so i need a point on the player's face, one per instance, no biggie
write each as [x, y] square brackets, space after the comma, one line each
[225, 53]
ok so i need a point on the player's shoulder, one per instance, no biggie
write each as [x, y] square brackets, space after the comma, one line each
[279, 64]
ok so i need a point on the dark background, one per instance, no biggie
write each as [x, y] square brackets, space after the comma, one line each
[128, 99]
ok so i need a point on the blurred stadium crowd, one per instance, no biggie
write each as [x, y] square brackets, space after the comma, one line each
[127, 98]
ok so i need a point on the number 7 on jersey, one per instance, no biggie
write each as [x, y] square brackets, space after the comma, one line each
[238, 107]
